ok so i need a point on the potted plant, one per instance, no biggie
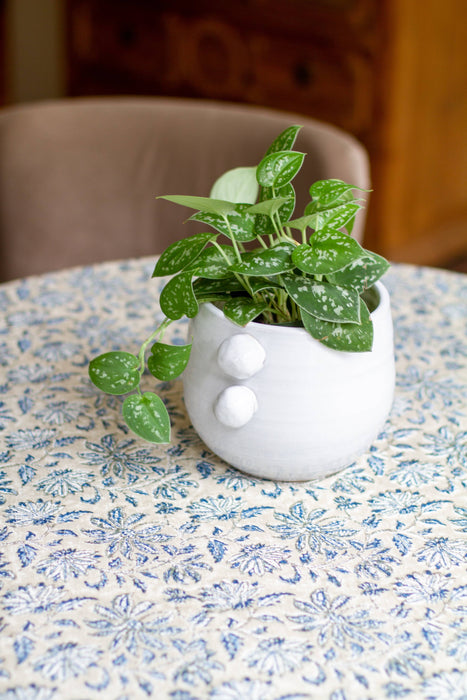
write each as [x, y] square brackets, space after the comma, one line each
[290, 370]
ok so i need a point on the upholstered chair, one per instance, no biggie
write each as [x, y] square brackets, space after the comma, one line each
[79, 177]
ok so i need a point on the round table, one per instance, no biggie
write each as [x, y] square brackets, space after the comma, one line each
[131, 570]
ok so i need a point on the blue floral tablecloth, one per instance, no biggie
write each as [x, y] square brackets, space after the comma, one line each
[129, 570]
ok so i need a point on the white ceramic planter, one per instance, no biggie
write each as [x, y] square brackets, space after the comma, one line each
[274, 402]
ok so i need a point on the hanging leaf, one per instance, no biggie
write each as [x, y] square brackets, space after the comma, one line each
[147, 416]
[213, 206]
[266, 261]
[242, 310]
[236, 185]
[284, 141]
[167, 362]
[177, 298]
[361, 274]
[115, 372]
[349, 337]
[329, 250]
[180, 254]
[279, 168]
[324, 300]
[240, 224]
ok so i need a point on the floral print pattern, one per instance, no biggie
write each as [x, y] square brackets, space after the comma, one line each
[129, 570]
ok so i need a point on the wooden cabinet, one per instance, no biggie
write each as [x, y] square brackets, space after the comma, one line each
[392, 72]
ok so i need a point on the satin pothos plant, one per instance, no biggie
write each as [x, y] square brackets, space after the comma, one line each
[258, 262]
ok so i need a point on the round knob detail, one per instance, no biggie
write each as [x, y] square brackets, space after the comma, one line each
[241, 356]
[235, 406]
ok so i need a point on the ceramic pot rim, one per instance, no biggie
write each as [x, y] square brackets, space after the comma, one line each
[383, 304]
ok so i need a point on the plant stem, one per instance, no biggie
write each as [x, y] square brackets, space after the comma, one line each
[243, 281]
[241, 278]
[160, 330]
[221, 251]
[232, 238]
[278, 302]
[277, 228]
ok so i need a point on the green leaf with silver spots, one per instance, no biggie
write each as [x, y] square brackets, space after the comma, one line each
[329, 250]
[238, 224]
[146, 415]
[347, 337]
[115, 372]
[284, 141]
[266, 261]
[181, 254]
[214, 262]
[324, 300]
[362, 273]
[177, 298]
[328, 192]
[242, 310]
[336, 216]
[167, 362]
[279, 168]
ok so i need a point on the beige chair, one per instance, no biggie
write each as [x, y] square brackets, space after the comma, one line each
[79, 177]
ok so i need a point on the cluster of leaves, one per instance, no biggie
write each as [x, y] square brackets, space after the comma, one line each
[256, 262]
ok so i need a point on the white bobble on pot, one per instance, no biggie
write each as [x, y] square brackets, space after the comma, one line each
[241, 356]
[235, 406]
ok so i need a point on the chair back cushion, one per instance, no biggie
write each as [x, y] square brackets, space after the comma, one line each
[79, 177]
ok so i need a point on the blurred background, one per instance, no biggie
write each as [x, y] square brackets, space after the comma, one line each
[391, 72]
